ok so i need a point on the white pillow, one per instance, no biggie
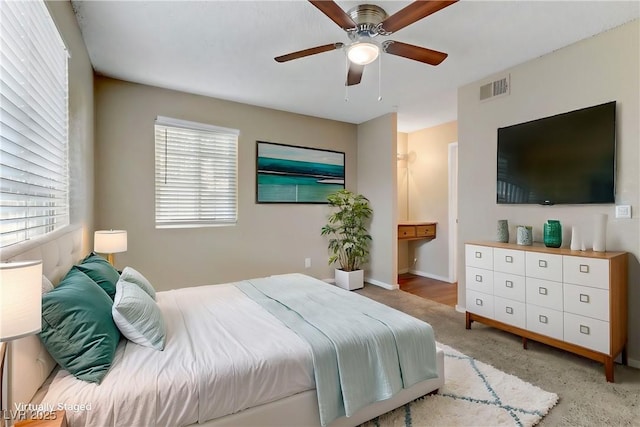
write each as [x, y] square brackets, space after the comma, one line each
[46, 285]
[138, 316]
[131, 275]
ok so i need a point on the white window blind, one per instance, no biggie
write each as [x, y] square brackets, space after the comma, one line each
[34, 196]
[196, 174]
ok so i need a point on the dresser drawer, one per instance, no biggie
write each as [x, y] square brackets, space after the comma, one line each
[586, 301]
[510, 312]
[509, 286]
[406, 231]
[544, 293]
[480, 280]
[544, 266]
[586, 271]
[508, 261]
[479, 256]
[586, 332]
[545, 321]
[426, 230]
[479, 303]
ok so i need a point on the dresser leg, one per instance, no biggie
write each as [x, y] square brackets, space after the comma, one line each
[468, 320]
[608, 369]
[524, 343]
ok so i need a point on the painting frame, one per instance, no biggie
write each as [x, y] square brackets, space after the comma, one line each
[293, 174]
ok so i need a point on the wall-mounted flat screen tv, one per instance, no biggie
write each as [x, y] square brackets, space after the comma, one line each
[568, 158]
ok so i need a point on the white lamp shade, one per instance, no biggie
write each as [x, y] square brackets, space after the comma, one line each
[363, 53]
[110, 241]
[20, 299]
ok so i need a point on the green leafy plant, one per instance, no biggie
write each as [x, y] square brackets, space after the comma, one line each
[349, 239]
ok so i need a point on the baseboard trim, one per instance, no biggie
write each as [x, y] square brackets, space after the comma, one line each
[403, 270]
[460, 309]
[382, 284]
[633, 363]
[430, 276]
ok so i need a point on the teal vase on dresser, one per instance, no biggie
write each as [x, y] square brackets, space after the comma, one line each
[552, 231]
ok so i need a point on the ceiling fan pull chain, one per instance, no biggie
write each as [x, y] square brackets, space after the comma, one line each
[380, 78]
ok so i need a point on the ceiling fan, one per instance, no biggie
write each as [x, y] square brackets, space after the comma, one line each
[363, 24]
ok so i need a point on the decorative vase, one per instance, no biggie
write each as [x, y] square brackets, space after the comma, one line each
[524, 235]
[552, 233]
[576, 239]
[600, 232]
[503, 231]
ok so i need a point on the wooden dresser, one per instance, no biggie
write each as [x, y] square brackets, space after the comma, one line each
[573, 300]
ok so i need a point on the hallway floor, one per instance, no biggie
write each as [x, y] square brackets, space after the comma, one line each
[434, 290]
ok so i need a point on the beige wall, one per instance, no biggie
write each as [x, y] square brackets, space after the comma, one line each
[403, 199]
[428, 183]
[377, 180]
[267, 239]
[600, 69]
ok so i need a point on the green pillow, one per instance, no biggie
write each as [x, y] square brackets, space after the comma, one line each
[103, 273]
[77, 327]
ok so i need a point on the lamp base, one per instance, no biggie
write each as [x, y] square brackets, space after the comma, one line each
[110, 259]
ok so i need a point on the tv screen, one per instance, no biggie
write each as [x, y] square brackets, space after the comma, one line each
[564, 159]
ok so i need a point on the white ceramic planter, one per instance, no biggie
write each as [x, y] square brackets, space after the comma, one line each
[350, 280]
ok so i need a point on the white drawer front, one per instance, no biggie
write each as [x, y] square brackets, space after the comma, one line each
[508, 261]
[544, 266]
[545, 321]
[586, 332]
[509, 286]
[544, 293]
[586, 271]
[510, 312]
[479, 303]
[479, 256]
[480, 280]
[586, 301]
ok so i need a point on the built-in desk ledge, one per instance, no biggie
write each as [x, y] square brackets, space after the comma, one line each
[416, 230]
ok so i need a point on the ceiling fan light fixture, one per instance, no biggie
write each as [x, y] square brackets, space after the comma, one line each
[363, 53]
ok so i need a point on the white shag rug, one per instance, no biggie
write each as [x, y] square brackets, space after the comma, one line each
[474, 394]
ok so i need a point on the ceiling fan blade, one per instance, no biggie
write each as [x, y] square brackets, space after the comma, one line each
[308, 52]
[335, 13]
[355, 74]
[412, 13]
[417, 53]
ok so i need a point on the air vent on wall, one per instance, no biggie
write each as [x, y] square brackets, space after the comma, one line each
[500, 87]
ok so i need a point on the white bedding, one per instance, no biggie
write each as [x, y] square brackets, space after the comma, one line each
[214, 363]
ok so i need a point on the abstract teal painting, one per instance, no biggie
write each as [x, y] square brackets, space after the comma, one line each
[292, 174]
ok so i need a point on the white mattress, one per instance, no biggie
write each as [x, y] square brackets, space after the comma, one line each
[224, 353]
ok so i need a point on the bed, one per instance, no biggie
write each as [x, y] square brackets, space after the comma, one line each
[280, 388]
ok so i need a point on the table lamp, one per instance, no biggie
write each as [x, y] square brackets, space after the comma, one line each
[20, 308]
[110, 242]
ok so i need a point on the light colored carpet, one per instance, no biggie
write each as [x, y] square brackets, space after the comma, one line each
[474, 394]
[586, 399]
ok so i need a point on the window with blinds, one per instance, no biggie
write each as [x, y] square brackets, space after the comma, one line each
[34, 182]
[196, 174]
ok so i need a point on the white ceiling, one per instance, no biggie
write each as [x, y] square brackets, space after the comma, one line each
[225, 49]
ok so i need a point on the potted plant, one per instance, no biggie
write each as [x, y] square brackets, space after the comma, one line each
[348, 237]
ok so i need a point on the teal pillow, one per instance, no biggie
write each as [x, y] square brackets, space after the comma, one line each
[138, 316]
[103, 273]
[77, 327]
